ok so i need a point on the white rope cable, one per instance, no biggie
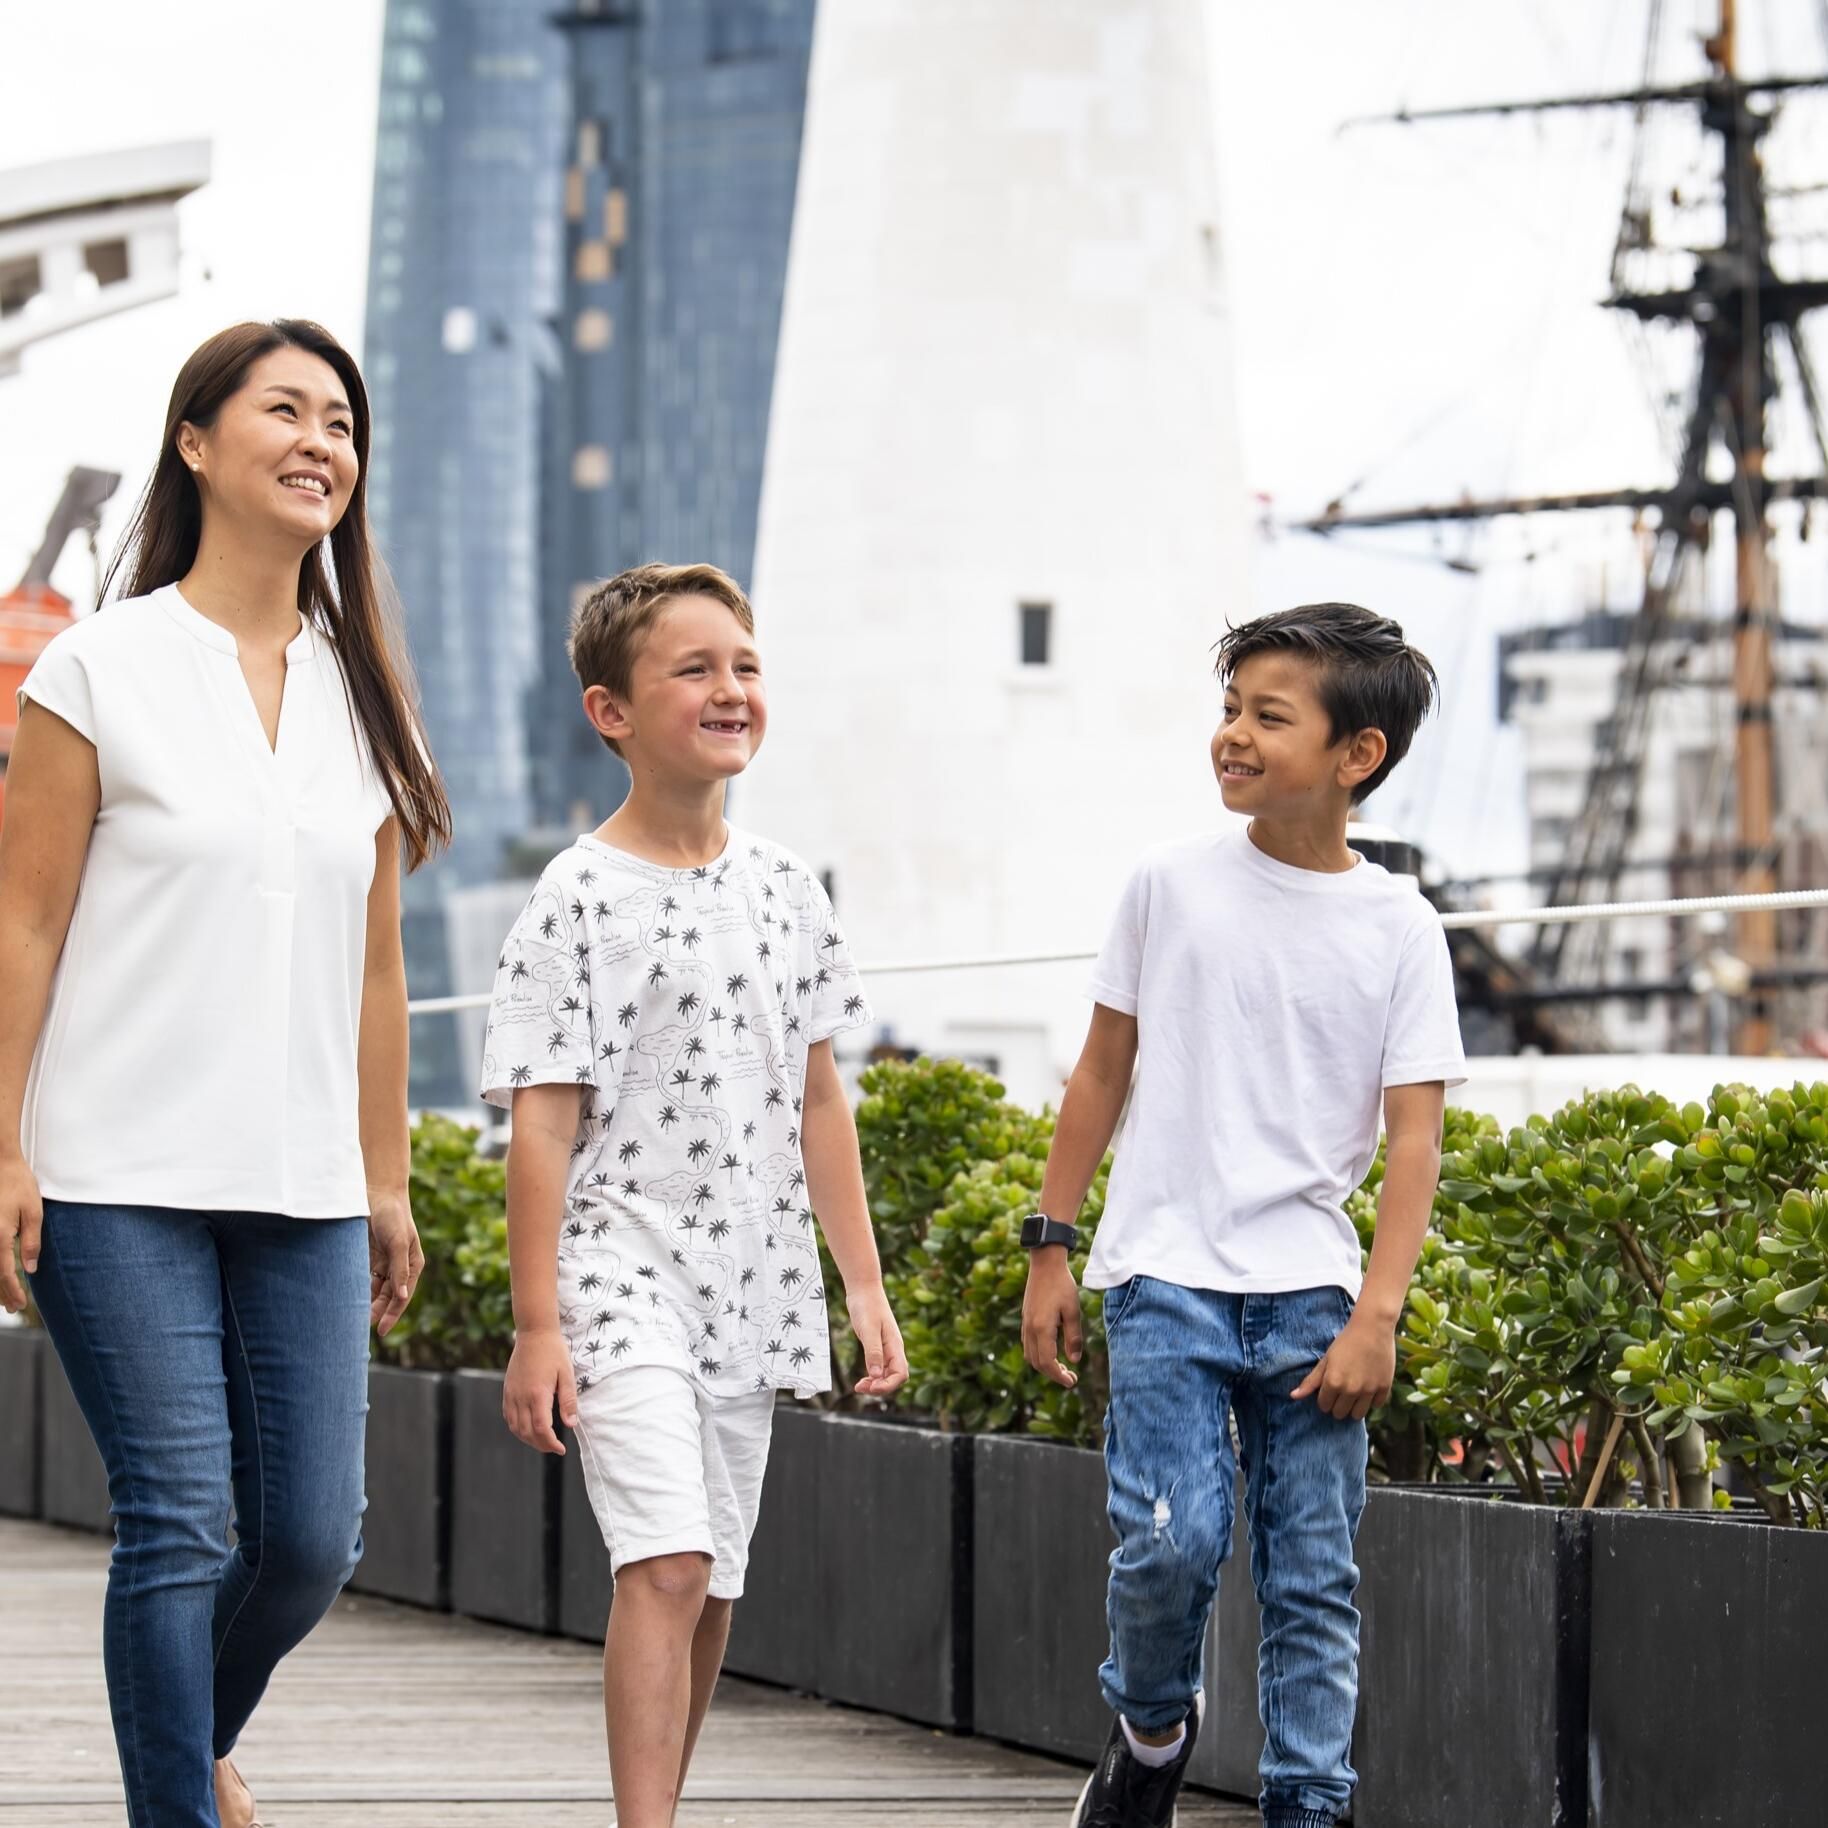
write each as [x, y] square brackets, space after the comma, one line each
[1466, 917]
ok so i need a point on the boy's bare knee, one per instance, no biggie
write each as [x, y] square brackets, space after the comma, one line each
[679, 1578]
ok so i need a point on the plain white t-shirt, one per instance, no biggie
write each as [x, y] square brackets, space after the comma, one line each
[199, 1046]
[686, 1002]
[1273, 1007]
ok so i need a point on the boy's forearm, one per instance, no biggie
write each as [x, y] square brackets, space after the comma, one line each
[834, 1184]
[538, 1161]
[1412, 1167]
[1088, 1120]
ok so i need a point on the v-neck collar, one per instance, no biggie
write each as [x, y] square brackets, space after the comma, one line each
[300, 649]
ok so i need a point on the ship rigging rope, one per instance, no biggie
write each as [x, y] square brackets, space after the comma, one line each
[1460, 917]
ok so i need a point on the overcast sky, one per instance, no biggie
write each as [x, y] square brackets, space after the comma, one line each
[1413, 307]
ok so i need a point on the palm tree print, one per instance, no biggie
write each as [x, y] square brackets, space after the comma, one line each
[651, 1124]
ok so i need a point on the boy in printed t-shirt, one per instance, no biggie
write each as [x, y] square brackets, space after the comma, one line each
[1265, 989]
[662, 1030]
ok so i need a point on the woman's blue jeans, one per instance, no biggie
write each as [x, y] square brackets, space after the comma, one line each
[210, 1351]
[1184, 1362]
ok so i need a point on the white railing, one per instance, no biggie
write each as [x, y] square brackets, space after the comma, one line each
[1468, 917]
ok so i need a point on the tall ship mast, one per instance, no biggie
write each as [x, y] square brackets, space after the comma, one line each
[1745, 319]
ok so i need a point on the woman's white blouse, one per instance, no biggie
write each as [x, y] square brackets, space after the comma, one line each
[199, 1049]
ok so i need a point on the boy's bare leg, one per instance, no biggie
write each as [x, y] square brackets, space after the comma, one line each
[649, 1664]
[708, 1643]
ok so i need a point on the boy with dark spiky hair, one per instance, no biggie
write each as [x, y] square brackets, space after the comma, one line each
[1266, 989]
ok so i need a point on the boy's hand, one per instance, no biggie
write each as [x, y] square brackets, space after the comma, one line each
[1355, 1375]
[1050, 1315]
[885, 1359]
[539, 1376]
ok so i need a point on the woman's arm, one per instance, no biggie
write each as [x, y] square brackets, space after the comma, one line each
[834, 1181]
[53, 792]
[394, 1256]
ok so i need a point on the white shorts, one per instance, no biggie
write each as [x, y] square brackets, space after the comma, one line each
[673, 1470]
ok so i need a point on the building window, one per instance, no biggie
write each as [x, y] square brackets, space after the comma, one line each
[20, 282]
[460, 330]
[107, 260]
[590, 467]
[1037, 621]
[574, 195]
[615, 217]
[593, 260]
[593, 330]
[590, 143]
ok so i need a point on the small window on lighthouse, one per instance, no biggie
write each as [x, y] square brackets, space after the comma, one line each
[1037, 621]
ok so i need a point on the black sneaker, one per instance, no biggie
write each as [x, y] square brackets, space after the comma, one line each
[1125, 1793]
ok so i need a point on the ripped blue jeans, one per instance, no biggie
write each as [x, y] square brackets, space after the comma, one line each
[1183, 1362]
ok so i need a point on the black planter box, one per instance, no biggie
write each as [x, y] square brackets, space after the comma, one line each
[504, 1513]
[860, 1572]
[1043, 1552]
[406, 1530]
[585, 1585]
[73, 1483]
[894, 1598]
[778, 1624]
[1472, 1667]
[22, 1354]
[1706, 1657]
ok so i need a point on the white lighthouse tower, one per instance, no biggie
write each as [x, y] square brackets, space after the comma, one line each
[1001, 522]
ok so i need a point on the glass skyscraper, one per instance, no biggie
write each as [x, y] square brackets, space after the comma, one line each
[577, 257]
[678, 193]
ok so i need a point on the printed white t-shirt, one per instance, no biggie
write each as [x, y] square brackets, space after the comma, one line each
[199, 1046]
[686, 1002]
[1273, 1007]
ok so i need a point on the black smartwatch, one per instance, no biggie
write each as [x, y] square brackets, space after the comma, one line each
[1038, 1230]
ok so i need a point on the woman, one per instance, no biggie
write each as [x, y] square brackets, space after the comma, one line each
[203, 1122]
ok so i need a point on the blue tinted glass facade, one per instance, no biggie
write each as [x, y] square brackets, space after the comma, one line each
[463, 281]
[677, 200]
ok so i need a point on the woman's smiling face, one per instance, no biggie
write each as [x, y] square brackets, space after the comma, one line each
[281, 457]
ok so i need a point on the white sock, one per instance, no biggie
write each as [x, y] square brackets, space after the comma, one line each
[1154, 1756]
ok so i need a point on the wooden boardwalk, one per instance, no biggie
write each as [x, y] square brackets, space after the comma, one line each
[392, 1718]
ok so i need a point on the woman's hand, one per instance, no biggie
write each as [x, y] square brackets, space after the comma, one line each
[394, 1258]
[21, 1218]
[885, 1359]
[540, 1378]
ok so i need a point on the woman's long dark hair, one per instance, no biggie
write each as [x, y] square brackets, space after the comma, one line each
[340, 595]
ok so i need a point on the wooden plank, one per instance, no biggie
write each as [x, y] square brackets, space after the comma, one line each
[396, 1718]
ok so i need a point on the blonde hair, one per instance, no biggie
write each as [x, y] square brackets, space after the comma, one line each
[613, 619]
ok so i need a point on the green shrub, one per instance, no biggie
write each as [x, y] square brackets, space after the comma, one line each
[1628, 1262]
[959, 1301]
[919, 1124]
[461, 1313]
